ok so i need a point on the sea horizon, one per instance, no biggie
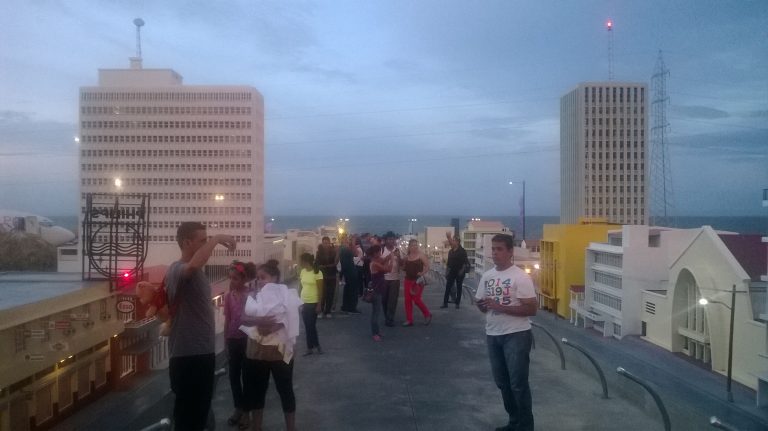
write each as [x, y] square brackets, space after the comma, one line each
[400, 224]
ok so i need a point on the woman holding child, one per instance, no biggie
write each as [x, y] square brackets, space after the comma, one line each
[273, 310]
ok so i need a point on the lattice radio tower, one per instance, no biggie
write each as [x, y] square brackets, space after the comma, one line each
[661, 172]
[609, 27]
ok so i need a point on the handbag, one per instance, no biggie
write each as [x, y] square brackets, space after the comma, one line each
[368, 294]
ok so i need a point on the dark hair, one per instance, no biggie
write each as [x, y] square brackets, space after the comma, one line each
[247, 270]
[413, 240]
[309, 260]
[187, 230]
[271, 267]
[389, 234]
[507, 240]
[324, 238]
[374, 250]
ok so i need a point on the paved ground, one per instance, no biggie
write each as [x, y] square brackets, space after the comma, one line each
[433, 377]
[437, 377]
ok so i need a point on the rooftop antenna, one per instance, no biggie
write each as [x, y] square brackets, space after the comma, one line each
[609, 27]
[661, 171]
[138, 22]
[136, 61]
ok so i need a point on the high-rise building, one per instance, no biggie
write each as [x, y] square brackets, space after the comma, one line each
[198, 151]
[603, 153]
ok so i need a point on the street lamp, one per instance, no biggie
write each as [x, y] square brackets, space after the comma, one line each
[732, 308]
[522, 204]
[410, 225]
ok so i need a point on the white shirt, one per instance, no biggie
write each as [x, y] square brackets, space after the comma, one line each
[395, 273]
[506, 288]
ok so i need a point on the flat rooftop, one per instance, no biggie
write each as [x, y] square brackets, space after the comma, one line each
[22, 288]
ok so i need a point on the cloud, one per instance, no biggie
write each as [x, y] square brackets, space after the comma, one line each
[704, 112]
[752, 143]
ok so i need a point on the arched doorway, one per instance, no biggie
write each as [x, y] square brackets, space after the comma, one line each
[690, 327]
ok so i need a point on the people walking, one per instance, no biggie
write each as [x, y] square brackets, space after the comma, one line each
[507, 297]
[349, 273]
[456, 268]
[392, 278]
[311, 285]
[234, 304]
[326, 259]
[379, 267]
[193, 329]
[415, 265]
[273, 310]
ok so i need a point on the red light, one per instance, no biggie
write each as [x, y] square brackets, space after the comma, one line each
[127, 274]
[609, 24]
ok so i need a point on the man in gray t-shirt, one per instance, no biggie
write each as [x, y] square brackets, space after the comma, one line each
[192, 336]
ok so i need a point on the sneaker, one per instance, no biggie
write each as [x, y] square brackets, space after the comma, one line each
[427, 320]
[328, 315]
[377, 338]
[308, 352]
[407, 323]
[320, 316]
[320, 350]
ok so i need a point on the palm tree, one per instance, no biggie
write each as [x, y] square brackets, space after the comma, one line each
[21, 251]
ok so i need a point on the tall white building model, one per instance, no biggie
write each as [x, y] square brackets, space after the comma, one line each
[198, 151]
[603, 153]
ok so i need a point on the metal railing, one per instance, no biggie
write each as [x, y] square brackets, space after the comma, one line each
[656, 398]
[554, 341]
[600, 373]
[717, 423]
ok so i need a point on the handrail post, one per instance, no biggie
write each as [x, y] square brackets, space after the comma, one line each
[600, 373]
[656, 398]
[552, 337]
[717, 423]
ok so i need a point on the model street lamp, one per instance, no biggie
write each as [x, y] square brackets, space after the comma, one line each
[410, 225]
[732, 308]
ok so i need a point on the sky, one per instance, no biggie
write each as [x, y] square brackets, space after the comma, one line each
[401, 106]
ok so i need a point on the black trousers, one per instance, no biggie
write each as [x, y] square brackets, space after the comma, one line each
[192, 382]
[257, 382]
[351, 291]
[329, 290]
[309, 316]
[236, 352]
[450, 279]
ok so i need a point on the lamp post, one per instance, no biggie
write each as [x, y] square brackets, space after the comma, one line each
[522, 206]
[410, 225]
[732, 308]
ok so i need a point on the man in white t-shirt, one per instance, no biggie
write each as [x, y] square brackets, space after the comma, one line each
[507, 297]
[392, 278]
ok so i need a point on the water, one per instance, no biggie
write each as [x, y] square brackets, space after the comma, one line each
[534, 224]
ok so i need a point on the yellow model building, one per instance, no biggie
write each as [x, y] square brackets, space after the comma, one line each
[562, 259]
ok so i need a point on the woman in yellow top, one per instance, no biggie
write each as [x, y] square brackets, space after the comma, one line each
[311, 282]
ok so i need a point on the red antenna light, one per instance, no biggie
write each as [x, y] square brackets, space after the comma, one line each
[609, 25]
[127, 274]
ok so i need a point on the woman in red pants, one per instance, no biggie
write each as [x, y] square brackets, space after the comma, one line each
[415, 265]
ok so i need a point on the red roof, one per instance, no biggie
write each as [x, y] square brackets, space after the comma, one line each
[750, 252]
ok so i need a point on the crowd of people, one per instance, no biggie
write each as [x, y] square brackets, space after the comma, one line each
[262, 318]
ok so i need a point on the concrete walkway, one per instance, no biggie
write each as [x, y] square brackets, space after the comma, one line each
[422, 378]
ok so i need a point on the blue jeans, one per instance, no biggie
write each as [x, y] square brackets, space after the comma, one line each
[376, 309]
[509, 355]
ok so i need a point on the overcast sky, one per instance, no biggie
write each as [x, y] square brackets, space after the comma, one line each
[400, 106]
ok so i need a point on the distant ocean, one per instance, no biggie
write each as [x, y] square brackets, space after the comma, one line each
[533, 224]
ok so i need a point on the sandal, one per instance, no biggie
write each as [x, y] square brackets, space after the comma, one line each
[245, 422]
[237, 415]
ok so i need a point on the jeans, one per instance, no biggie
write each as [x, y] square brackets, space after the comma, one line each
[390, 300]
[236, 354]
[376, 308]
[450, 279]
[309, 316]
[192, 382]
[415, 298]
[257, 382]
[329, 291]
[509, 355]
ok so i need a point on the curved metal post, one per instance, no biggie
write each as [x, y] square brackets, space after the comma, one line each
[717, 423]
[656, 398]
[552, 337]
[603, 382]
